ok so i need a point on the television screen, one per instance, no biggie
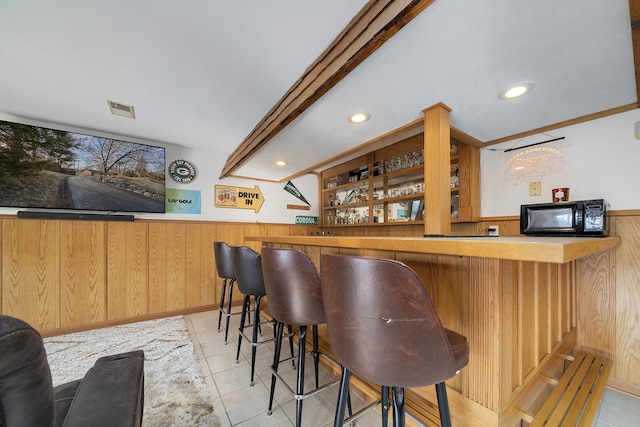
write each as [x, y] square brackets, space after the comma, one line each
[47, 168]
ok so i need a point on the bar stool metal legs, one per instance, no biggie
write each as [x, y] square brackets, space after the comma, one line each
[443, 405]
[276, 358]
[344, 389]
[255, 327]
[298, 394]
[226, 284]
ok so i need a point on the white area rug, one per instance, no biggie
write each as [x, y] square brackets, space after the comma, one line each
[175, 391]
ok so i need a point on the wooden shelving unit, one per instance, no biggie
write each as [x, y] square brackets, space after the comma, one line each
[407, 182]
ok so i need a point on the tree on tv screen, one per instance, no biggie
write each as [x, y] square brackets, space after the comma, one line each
[26, 150]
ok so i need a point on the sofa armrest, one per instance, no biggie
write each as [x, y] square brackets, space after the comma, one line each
[111, 393]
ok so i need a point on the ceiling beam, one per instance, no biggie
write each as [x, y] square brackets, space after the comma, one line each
[634, 10]
[376, 23]
[563, 124]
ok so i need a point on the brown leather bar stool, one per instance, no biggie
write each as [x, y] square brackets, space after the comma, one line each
[383, 327]
[248, 268]
[295, 298]
[224, 266]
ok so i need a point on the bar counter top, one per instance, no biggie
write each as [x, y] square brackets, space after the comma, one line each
[518, 248]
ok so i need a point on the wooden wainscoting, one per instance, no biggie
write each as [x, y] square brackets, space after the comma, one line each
[62, 276]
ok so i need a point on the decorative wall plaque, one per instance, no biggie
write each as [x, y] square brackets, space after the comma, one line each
[182, 171]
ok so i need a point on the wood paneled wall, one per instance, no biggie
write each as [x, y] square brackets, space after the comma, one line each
[62, 275]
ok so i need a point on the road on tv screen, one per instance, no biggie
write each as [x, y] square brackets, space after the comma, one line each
[86, 193]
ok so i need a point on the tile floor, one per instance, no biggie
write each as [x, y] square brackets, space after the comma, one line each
[244, 406]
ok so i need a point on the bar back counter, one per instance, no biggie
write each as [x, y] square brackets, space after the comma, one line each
[516, 299]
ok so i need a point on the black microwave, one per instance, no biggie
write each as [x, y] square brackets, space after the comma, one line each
[581, 218]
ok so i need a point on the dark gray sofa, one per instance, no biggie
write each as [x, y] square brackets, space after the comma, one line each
[111, 393]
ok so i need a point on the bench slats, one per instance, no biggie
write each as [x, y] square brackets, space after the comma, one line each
[576, 410]
[575, 399]
[591, 409]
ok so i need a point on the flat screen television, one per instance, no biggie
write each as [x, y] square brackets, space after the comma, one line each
[54, 169]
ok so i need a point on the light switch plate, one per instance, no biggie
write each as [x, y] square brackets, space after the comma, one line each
[535, 188]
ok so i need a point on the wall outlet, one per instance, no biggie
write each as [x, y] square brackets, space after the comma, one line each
[494, 230]
[535, 188]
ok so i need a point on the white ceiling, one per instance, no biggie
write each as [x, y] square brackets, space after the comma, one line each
[203, 73]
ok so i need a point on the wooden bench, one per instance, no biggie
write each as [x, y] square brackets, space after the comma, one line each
[576, 397]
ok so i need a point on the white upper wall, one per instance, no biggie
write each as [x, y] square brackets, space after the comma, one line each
[596, 159]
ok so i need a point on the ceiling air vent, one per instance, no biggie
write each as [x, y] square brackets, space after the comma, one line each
[121, 109]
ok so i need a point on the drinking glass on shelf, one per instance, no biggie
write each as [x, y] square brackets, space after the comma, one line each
[411, 187]
[406, 161]
[415, 161]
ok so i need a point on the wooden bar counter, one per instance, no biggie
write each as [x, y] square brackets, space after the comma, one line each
[516, 299]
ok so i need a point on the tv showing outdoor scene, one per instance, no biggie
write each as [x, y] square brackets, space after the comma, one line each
[47, 168]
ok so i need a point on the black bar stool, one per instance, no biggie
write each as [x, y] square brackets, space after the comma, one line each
[295, 298]
[224, 266]
[384, 328]
[248, 268]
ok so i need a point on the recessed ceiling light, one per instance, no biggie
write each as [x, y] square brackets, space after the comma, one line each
[281, 163]
[121, 109]
[516, 91]
[359, 117]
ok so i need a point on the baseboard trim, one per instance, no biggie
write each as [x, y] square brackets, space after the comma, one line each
[624, 387]
[108, 323]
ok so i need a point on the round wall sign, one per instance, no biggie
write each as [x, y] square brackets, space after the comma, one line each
[182, 171]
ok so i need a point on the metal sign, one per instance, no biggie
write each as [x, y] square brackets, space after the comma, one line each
[308, 220]
[238, 197]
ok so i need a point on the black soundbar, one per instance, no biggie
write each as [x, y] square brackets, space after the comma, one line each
[74, 215]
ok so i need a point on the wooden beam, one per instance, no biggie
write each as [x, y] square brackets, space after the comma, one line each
[565, 123]
[376, 23]
[634, 11]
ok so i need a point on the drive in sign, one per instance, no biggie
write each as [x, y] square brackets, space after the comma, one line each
[239, 197]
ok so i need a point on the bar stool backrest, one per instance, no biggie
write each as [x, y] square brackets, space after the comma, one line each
[224, 263]
[293, 287]
[248, 268]
[382, 324]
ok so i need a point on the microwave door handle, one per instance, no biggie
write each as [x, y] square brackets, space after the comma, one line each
[579, 220]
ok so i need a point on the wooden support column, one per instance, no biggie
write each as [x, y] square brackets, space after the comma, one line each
[437, 169]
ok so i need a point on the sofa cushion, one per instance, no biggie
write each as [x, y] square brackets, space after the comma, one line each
[26, 393]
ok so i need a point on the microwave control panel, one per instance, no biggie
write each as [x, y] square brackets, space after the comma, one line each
[594, 217]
